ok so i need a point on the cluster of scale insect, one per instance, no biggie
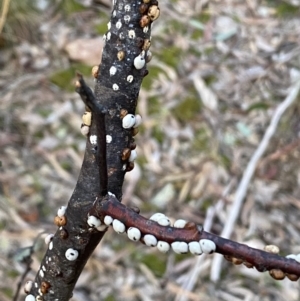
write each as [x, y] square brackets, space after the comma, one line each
[150, 12]
[195, 247]
[129, 154]
[60, 220]
[277, 274]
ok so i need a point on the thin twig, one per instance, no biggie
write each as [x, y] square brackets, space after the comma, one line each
[98, 112]
[251, 167]
[261, 260]
[88, 96]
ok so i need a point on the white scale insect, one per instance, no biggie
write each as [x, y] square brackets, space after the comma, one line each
[139, 62]
[28, 286]
[48, 239]
[30, 298]
[163, 246]
[180, 223]
[61, 211]
[93, 221]
[194, 248]
[118, 226]
[150, 240]
[108, 220]
[207, 246]
[180, 247]
[294, 256]
[71, 254]
[134, 234]
[128, 121]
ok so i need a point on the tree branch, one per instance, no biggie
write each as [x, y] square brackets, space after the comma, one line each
[120, 76]
[233, 251]
[98, 112]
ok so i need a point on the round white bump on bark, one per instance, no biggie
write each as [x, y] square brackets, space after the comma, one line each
[71, 254]
[148, 56]
[128, 121]
[139, 62]
[156, 216]
[180, 223]
[41, 273]
[109, 25]
[119, 24]
[118, 226]
[28, 286]
[130, 78]
[131, 34]
[115, 87]
[134, 233]
[112, 194]
[85, 130]
[126, 19]
[164, 221]
[133, 155]
[61, 211]
[163, 246]
[112, 70]
[48, 239]
[145, 29]
[195, 248]
[180, 247]
[51, 245]
[114, 13]
[127, 7]
[108, 36]
[150, 240]
[30, 298]
[207, 246]
[44, 268]
[271, 249]
[138, 120]
[93, 221]
[108, 220]
[291, 256]
[108, 138]
[93, 139]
